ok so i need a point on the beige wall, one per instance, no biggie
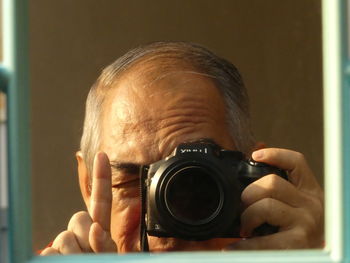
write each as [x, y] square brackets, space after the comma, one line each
[276, 45]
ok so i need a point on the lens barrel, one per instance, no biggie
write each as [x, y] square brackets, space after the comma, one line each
[193, 195]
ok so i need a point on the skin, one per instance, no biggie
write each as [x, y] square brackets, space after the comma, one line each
[144, 119]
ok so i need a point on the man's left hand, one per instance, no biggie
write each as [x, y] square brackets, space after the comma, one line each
[295, 206]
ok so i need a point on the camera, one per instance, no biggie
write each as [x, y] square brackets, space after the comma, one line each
[194, 193]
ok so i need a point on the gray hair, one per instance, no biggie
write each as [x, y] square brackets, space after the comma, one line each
[224, 74]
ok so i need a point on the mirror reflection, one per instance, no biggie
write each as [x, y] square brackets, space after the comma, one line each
[205, 121]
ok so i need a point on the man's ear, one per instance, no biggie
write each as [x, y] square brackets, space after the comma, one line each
[84, 179]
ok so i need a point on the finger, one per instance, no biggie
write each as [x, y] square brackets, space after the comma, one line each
[269, 211]
[275, 187]
[101, 194]
[101, 240]
[291, 239]
[300, 173]
[49, 251]
[80, 224]
[66, 243]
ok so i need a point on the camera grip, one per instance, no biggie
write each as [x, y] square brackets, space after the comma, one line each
[251, 171]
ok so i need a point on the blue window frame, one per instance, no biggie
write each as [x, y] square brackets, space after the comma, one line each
[337, 150]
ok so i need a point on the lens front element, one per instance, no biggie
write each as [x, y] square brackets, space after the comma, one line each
[193, 195]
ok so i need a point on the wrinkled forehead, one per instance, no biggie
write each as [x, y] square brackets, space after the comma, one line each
[161, 80]
[146, 110]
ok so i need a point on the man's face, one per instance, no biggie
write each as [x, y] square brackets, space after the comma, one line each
[145, 117]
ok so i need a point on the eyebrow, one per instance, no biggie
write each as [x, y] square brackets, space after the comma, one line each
[130, 168]
[134, 168]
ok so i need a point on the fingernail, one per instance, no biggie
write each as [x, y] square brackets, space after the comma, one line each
[258, 155]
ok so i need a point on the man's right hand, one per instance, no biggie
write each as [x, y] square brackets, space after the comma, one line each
[90, 232]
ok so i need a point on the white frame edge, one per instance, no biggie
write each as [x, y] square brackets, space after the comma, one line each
[331, 34]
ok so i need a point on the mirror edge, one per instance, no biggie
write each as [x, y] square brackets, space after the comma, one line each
[20, 240]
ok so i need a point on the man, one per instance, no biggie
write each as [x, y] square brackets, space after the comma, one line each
[144, 105]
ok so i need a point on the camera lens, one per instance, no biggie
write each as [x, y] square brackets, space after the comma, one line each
[193, 196]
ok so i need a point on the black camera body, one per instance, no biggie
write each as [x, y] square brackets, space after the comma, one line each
[194, 194]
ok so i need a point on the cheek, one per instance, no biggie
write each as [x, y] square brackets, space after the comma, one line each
[125, 219]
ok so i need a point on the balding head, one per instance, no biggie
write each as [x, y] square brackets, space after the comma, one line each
[166, 60]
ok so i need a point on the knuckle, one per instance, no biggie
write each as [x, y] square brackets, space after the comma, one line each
[300, 157]
[311, 229]
[78, 219]
[80, 216]
[318, 207]
[265, 187]
[67, 236]
[270, 206]
[246, 195]
[309, 224]
[267, 204]
[314, 207]
[271, 183]
[299, 238]
[64, 239]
